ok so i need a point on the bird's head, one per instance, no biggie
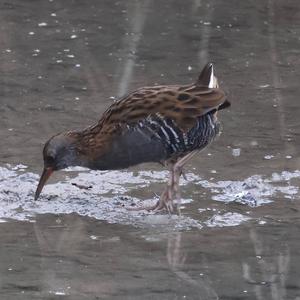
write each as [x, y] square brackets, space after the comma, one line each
[59, 153]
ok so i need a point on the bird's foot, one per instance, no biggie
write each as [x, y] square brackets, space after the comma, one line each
[158, 206]
[142, 207]
[165, 202]
[183, 174]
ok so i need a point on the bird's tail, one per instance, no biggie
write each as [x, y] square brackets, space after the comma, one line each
[207, 77]
[224, 105]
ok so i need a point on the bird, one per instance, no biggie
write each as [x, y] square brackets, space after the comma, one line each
[166, 124]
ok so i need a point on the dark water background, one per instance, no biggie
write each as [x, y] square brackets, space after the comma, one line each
[62, 63]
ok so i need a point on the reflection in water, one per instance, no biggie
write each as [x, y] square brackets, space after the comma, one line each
[273, 270]
[66, 268]
[136, 19]
[57, 245]
[205, 33]
[176, 256]
[78, 256]
[276, 81]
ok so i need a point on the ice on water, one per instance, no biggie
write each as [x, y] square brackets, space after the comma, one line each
[108, 196]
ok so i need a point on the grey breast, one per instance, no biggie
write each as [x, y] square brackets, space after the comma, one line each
[156, 139]
[135, 145]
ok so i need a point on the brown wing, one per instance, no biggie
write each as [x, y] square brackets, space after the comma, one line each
[183, 104]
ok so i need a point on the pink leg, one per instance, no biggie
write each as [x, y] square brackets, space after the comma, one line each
[172, 190]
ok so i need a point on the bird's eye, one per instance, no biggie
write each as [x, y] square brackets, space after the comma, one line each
[50, 160]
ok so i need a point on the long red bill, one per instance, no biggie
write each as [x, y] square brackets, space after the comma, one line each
[45, 175]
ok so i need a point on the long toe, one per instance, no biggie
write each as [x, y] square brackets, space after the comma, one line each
[169, 207]
[165, 202]
[178, 209]
[162, 200]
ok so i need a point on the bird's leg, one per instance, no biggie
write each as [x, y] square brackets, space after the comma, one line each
[166, 198]
[177, 171]
[171, 191]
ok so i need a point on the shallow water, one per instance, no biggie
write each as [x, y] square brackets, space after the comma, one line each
[63, 63]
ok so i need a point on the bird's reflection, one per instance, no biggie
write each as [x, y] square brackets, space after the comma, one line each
[57, 245]
[177, 257]
[271, 279]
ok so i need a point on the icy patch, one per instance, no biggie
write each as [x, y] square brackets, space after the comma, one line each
[255, 190]
[96, 194]
[227, 219]
[236, 151]
[58, 293]
[285, 176]
[103, 195]
[268, 156]
[176, 222]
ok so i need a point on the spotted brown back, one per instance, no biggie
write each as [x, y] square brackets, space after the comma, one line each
[182, 104]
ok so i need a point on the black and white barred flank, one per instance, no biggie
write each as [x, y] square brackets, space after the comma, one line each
[178, 142]
[156, 139]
